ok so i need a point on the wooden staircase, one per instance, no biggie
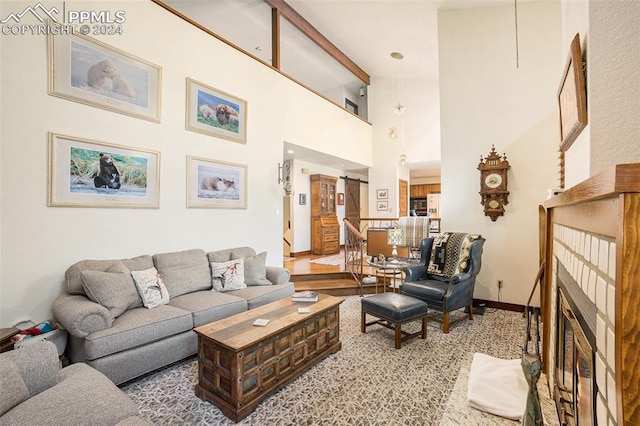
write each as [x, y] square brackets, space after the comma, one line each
[333, 283]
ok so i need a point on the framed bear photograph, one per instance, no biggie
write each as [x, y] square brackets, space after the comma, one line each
[215, 113]
[88, 71]
[216, 184]
[88, 173]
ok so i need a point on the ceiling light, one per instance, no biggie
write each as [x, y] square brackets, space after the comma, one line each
[403, 160]
[397, 55]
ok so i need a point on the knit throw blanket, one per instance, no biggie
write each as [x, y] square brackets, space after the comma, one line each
[450, 253]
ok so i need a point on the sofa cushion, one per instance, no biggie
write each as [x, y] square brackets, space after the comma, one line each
[228, 254]
[151, 287]
[14, 389]
[73, 277]
[226, 276]
[450, 253]
[255, 272]
[184, 272]
[209, 306]
[261, 295]
[137, 327]
[84, 396]
[115, 291]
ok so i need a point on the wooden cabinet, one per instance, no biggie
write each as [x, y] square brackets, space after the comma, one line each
[421, 191]
[325, 229]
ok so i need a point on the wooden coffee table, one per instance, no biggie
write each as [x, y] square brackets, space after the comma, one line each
[240, 364]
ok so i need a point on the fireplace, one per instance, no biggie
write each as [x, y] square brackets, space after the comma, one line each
[575, 387]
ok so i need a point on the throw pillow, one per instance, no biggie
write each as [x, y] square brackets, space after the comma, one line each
[151, 287]
[227, 276]
[255, 271]
[450, 253]
[115, 291]
[14, 389]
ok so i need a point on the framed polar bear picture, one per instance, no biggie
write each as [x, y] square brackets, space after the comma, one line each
[89, 173]
[88, 71]
[216, 184]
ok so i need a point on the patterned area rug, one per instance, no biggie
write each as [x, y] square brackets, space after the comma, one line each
[368, 382]
[338, 259]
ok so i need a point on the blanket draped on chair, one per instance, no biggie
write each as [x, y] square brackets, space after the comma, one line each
[414, 229]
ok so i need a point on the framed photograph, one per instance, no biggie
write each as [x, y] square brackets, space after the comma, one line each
[303, 199]
[215, 113]
[572, 97]
[382, 205]
[216, 184]
[85, 70]
[88, 173]
[341, 198]
[382, 194]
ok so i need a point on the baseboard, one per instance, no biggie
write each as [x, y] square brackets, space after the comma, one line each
[498, 305]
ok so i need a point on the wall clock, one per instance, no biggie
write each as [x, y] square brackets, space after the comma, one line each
[493, 184]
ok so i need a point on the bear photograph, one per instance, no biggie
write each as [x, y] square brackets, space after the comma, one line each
[107, 75]
[103, 172]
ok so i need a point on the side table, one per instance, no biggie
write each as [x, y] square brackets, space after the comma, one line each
[6, 344]
[391, 269]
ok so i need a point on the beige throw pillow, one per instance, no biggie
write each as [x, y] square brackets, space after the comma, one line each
[114, 291]
[255, 272]
[227, 276]
[151, 287]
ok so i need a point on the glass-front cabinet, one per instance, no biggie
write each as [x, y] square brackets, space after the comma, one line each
[325, 230]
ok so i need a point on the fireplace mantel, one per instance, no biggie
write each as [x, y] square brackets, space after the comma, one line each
[603, 212]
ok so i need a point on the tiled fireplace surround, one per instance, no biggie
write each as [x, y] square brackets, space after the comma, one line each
[590, 261]
[592, 250]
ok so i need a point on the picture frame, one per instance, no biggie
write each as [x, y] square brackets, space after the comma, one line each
[216, 184]
[382, 205]
[572, 97]
[382, 194]
[89, 173]
[302, 199]
[215, 113]
[88, 71]
[340, 198]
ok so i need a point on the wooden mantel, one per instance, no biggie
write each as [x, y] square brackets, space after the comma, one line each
[608, 204]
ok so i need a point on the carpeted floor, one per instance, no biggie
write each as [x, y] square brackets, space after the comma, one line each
[368, 382]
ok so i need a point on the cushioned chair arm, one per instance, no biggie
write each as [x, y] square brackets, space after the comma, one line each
[415, 273]
[278, 274]
[460, 277]
[80, 316]
[37, 364]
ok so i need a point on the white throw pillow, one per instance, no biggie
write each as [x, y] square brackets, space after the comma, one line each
[151, 287]
[227, 276]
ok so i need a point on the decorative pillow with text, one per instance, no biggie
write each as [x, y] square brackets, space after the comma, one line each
[151, 287]
[227, 276]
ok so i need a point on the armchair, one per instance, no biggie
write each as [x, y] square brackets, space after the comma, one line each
[444, 293]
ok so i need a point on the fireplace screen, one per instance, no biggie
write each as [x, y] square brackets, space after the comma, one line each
[575, 385]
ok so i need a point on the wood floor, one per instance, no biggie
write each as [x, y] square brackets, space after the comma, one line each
[329, 279]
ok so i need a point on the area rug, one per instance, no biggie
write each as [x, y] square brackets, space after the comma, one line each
[338, 259]
[368, 382]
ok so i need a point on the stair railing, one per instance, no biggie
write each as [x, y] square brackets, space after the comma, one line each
[355, 247]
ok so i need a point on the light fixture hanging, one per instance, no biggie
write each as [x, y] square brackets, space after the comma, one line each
[398, 109]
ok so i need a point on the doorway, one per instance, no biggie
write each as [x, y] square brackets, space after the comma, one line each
[352, 201]
[403, 198]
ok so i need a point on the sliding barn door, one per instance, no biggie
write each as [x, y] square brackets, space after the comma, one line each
[352, 201]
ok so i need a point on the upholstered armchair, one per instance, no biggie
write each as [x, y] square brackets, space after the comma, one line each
[446, 276]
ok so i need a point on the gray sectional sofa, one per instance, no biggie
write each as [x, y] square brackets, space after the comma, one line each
[36, 391]
[110, 329]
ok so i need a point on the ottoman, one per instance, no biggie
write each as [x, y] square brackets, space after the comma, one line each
[393, 310]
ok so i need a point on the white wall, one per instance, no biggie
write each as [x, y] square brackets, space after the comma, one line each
[486, 100]
[40, 242]
[614, 83]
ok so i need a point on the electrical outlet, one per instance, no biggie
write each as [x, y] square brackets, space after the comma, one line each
[500, 284]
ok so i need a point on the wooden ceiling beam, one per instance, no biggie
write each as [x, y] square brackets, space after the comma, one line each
[290, 14]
